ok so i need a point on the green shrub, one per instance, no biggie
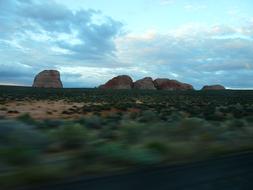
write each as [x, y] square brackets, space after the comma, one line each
[121, 155]
[130, 131]
[143, 156]
[148, 116]
[113, 151]
[20, 144]
[26, 118]
[72, 135]
[93, 122]
[19, 155]
[31, 175]
[236, 124]
[157, 146]
[191, 126]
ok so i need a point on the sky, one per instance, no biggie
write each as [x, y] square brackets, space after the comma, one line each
[201, 42]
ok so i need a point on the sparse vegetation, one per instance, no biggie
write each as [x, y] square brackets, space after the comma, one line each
[120, 130]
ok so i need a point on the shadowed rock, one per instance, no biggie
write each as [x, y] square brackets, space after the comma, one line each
[145, 83]
[48, 79]
[167, 84]
[214, 87]
[119, 82]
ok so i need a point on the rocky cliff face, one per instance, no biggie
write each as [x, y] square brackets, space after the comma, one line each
[145, 83]
[48, 79]
[167, 84]
[119, 82]
[214, 87]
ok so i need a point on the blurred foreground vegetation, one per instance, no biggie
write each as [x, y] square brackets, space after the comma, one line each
[140, 129]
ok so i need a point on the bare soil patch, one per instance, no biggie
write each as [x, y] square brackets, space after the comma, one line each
[41, 109]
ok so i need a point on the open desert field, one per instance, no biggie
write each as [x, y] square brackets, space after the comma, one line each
[96, 132]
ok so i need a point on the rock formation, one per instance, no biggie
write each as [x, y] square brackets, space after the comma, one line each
[167, 84]
[145, 83]
[125, 82]
[214, 87]
[48, 79]
[119, 82]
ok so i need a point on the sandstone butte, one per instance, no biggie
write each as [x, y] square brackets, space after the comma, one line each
[145, 83]
[52, 79]
[214, 87]
[119, 82]
[48, 79]
[125, 82]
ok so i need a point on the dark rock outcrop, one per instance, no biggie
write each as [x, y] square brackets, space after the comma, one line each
[119, 82]
[145, 83]
[48, 79]
[167, 84]
[214, 87]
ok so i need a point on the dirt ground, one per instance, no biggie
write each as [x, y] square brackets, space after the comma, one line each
[40, 109]
[48, 109]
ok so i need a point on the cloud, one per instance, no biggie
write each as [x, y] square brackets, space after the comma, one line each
[89, 48]
[198, 55]
[43, 34]
[167, 2]
[92, 76]
[16, 73]
[194, 7]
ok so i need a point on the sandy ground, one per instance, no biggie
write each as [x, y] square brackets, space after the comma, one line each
[46, 109]
[40, 109]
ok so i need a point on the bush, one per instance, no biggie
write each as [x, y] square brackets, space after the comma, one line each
[236, 124]
[143, 156]
[130, 132]
[191, 126]
[148, 116]
[72, 135]
[121, 155]
[20, 144]
[112, 152]
[26, 118]
[93, 122]
[157, 146]
[31, 175]
[49, 124]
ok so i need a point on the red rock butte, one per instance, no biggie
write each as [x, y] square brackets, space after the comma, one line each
[48, 79]
[214, 87]
[167, 84]
[145, 83]
[119, 82]
[126, 82]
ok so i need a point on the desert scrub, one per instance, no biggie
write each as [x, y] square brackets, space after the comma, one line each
[20, 144]
[158, 146]
[94, 122]
[122, 155]
[71, 135]
[31, 175]
[26, 118]
[130, 132]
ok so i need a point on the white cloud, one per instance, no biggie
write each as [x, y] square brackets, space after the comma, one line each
[90, 50]
[195, 7]
[200, 55]
[167, 2]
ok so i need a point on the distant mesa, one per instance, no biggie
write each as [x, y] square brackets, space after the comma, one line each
[119, 82]
[125, 82]
[167, 84]
[214, 87]
[48, 79]
[146, 83]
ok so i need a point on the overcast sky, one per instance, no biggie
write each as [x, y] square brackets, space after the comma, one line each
[90, 41]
